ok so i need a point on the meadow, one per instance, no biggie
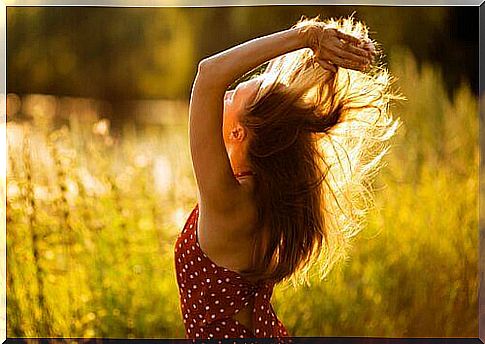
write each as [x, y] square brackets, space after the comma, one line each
[92, 219]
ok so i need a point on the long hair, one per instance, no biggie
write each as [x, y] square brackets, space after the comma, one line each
[316, 140]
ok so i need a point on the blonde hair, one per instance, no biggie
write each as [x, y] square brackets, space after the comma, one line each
[318, 139]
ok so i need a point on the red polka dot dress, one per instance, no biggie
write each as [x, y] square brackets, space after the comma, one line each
[210, 294]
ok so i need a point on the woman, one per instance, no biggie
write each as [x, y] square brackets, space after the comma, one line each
[281, 164]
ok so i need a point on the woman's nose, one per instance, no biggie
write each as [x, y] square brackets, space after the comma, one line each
[228, 95]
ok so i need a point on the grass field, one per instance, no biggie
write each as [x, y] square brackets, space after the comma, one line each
[92, 219]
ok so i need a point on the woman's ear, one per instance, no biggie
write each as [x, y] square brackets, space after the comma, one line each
[238, 133]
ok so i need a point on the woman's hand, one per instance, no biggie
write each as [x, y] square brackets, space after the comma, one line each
[333, 48]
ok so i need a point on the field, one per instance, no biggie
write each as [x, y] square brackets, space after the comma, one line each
[92, 219]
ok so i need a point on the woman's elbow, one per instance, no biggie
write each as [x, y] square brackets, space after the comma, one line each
[205, 67]
[209, 74]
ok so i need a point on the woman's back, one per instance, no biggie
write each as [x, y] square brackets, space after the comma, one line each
[229, 238]
[218, 302]
[233, 245]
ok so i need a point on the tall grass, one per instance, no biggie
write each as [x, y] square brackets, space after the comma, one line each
[92, 219]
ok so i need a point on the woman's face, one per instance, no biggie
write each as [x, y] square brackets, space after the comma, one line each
[235, 102]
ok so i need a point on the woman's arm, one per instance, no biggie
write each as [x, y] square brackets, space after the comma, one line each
[218, 189]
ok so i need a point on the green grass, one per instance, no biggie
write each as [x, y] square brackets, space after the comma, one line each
[91, 228]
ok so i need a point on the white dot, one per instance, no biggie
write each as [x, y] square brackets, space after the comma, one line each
[218, 329]
[223, 323]
[272, 323]
[226, 336]
[257, 330]
[232, 303]
[195, 286]
[206, 308]
[262, 307]
[198, 258]
[216, 302]
[222, 310]
[223, 290]
[233, 329]
[259, 319]
[219, 281]
[227, 279]
[204, 269]
[208, 280]
[197, 334]
[213, 316]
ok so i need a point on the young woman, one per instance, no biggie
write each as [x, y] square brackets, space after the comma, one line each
[281, 163]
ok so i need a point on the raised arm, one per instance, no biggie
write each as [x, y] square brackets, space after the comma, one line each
[218, 188]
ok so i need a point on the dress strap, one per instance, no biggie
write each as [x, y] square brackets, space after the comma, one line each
[244, 173]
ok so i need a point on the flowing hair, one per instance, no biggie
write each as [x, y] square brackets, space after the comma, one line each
[316, 140]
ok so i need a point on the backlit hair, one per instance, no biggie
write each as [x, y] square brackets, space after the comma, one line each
[316, 141]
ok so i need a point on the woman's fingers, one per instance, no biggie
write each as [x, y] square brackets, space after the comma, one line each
[349, 64]
[342, 50]
[327, 65]
[352, 57]
[353, 49]
[345, 59]
[348, 38]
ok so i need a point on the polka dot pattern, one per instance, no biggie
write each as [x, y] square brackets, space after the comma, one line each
[210, 295]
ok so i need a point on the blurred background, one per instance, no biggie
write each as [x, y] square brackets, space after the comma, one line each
[99, 179]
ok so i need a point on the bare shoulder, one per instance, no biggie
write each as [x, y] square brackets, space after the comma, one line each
[227, 237]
